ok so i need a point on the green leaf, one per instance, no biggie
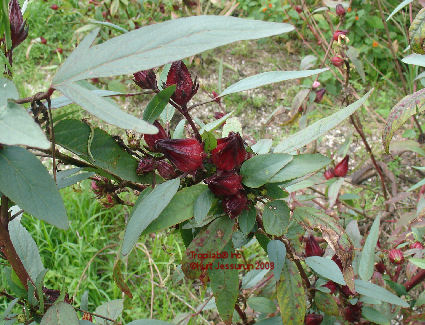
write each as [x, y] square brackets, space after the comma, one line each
[62, 101]
[233, 124]
[274, 191]
[367, 259]
[258, 170]
[70, 177]
[353, 55]
[209, 241]
[262, 146]
[104, 109]
[277, 253]
[149, 322]
[300, 166]
[400, 113]
[246, 220]
[7, 91]
[261, 305]
[399, 7]
[326, 268]
[73, 135]
[252, 278]
[373, 291]
[419, 262]
[270, 321]
[152, 46]
[326, 303]
[267, 78]
[214, 124]
[291, 295]
[415, 59]
[167, 114]
[111, 309]
[375, 316]
[60, 314]
[319, 128]
[421, 299]
[225, 284]
[157, 104]
[179, 130]
[108, 24]
[178, 210]
[147, 210]
[203, 204]
[416, 32]
[209, 140]
[26, 248]
[26, 181]
[333, 190]
[276, 217]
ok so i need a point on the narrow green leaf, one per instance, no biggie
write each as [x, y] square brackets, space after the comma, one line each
[104, 109]
[291, 295]
[419, 262]
[60, 314]
[108, 24]
[399, 7]
[319, 128]
[147, 210]
[157, 104]
[415, 59]
[26, 181]
[267, 78]
[252, 278]
[63, 181]
[276, 217]
[373, 291]
[277, 254]
[326, 268]
[367, 259]
[258, 170]
[111, 309]
[270, 321]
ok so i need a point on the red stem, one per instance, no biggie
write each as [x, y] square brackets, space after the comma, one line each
[418, 278]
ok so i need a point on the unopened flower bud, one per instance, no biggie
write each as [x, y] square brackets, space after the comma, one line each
[43, 40]
[146, 79]
[54, 7]
[18, 28]
[380, 267]
[234, 205]
[337, 61]
[330, 173]
[396, 256]
[313, 319]
[151, 139]
[180, 76]
[312, 247]
[319, 95]
[341, 168]
[316, 84]
[339, 34]
[340, 10]
[166, 170]
[230, 152]
[108, 201]
[353, 313]
[298, 9]
[225, 184]
[185, 154]
[146, 165]
[416, 245]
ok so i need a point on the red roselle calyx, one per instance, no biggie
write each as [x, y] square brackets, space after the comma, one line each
[18, 28]
[146, 79]
[235, 204]
[219, 115]
[146, 165]
[396, 256]
[312, 247]
[353, 313]
[166, 170]
[298, 9]
[180, 76]
[337, 61]
[151, 139]
[216, 98]
[43, 40]
[185, 154]
[330, 173]
[225, 184]
[341, 168]
[340, 10]
[339, 34]
[380, 267]
[54, 7]
[331, 286]
[416, 245]
[313, 319]
[230, 152]
[319, 95]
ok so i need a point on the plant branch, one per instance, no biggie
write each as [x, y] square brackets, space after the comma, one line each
[418, 278]
[37, 96]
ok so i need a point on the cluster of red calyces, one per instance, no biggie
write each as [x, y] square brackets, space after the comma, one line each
[340, 169]
[18, 27]
[104, 190]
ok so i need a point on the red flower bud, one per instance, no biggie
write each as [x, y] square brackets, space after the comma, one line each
[337, 61]
[146, 79]
[96, 188]
[346, 291]
[54, 7]
[180, 76]
[87, 316]
[338, 262]
[298, 9]
[18, 28]
[313, 319]
[43, 40]
[319, 95]
[166, 170]
[59, 50]
[225, 184]
[234, 205]
[185, 154]
[216, 98]
[218, 115]
[340, 10]
[353, 313]
[312, 247]
[151, 139]
[104, 14]
[341, 168]
[94, 80]
[396, 256]
[330, 173]
[339, 33]
[146, 165]
[380, 267]
[230, 152]
[331, 286]
[416, 245]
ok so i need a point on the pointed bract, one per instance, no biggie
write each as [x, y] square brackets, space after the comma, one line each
[151, 139]
[146, 79]
[330, 173]
[18, 28]
[185, 154]
[180, 76]
[341, 168]
[396, 256]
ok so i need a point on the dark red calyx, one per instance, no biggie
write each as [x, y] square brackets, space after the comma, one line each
[341, 168]
[225, 184]
[339, 34]
[331, 286]
[230, 152]
[330, 173]
[353, 313]
[146, 79]
[312, 247]
[43, 40]
[319, 95]
[298, 9]
[18, 27]
[185, 154]
[340, 10]
[180, 76]
[396, 256]
[380, 267]
[146, 165]
[166, 170]
[216, 98]
[54, 7]
[337, 61]
[151, 139]
[313, 319]
[416, 245]
[235, 204]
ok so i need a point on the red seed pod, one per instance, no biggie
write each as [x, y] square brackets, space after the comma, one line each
[54, 7]
[416, 245]
[18, 27]
[341, 168]
[312, 247]
[230, 152]
[298, 9]
[330, 173]
[185, 154]
[146, 165]
[166, 170]
[313, 319]
[396, 256]
[146, 79]
[340, 10]
[234, 205]
[339, 34]
[319, 95]
[380, 267]
[59, 50]
[151, 139]
[43, 40]
[353, 313]
[180, 76]
[225, 184]
[337, 61]
[331, 286]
